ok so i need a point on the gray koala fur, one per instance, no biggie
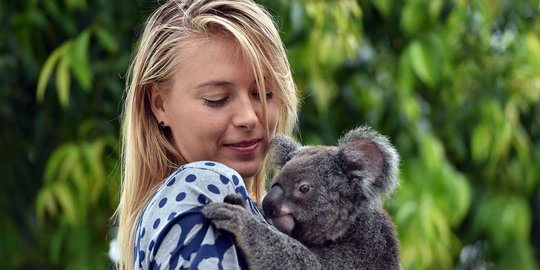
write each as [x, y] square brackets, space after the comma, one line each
[329, 199]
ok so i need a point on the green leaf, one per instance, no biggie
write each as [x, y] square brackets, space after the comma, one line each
[383, 6]
[46, 72]
[81, 180]
[53, 164]
[434, 8]
[406, 212]
[481, 142]
[412, 16]
[420, 62]
[531, 63]
[66, 201]
[74, 5]
[45, 203]
[512, 214]
[431, 151]
[56, 244]
[502, 142]
[323, 91]
[517, 255]
[79, 63]
[533, 44]
[106, 39]
[454, 194]
[63, 80]
[405, 81]
[462, 198]
[71, 159]
[93, 156]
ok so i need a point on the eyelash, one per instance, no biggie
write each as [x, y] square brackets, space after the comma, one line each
[269, 95]
[221, 102]
[215, 103]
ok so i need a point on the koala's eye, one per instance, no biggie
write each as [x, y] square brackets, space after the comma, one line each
[304, 188]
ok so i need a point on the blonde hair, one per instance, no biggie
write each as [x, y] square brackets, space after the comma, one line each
[148, 154]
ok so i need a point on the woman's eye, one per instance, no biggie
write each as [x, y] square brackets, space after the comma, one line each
[269, 95]
[215, 103]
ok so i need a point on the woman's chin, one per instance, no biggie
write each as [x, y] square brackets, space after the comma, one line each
[247, 171]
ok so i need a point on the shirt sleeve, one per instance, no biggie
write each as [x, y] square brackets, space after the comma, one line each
[171, 231]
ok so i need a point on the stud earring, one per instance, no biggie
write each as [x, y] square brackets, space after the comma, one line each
[161, 125]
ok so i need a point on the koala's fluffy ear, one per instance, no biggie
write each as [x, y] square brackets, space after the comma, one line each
[370, 161]
[284, 149]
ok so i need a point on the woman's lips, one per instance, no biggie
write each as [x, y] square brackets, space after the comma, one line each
[245, 147]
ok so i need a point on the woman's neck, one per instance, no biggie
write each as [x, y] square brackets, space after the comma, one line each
[247, 182]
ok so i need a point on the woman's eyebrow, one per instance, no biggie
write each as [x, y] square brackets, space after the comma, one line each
[215, 83]
[218, 83]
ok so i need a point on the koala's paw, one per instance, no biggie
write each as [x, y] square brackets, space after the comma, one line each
[236, 199]
[226, 216]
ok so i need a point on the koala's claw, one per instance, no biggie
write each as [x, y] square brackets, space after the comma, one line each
[225, 216]
[235, 199]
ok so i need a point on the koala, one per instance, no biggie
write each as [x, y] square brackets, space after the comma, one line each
[326, 203]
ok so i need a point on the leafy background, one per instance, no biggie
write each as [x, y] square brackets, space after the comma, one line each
[455, 84]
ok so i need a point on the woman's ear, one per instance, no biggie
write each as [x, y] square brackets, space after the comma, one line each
[155, 96]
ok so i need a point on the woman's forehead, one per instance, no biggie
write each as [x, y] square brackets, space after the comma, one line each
[212, 50]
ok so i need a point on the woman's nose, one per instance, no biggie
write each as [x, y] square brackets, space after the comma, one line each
[246, 116]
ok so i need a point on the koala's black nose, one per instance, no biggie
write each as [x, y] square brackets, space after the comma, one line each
[271, 201]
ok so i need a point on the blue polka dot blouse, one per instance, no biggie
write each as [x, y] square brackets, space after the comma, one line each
[171, 231]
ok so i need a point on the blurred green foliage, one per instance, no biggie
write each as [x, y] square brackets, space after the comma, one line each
[455, 84]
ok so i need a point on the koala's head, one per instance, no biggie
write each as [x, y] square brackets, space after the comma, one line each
[319, 190]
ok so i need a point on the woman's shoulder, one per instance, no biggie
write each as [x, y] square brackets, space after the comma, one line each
[207, 174]
[171, 227]
[195, 184]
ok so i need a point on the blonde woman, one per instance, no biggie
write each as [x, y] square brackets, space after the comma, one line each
[209, 87]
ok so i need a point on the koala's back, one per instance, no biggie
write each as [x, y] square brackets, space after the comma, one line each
[370, 243]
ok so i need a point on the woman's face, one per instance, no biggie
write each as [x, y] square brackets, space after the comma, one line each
[213, 107]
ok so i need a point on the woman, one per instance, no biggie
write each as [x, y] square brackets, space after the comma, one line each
[210, 81]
